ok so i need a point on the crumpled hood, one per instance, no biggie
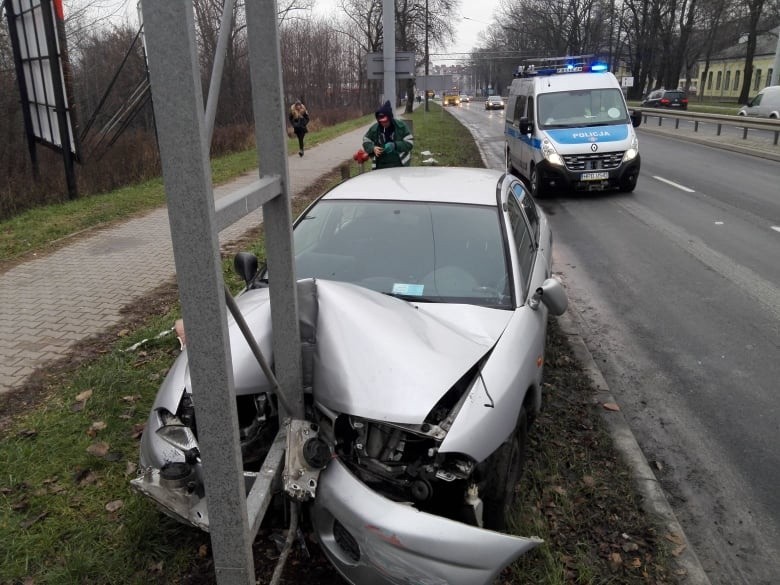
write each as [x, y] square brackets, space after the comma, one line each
[383, 358]
[376, 356]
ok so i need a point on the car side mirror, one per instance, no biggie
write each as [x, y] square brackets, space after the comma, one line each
[750, 103]
[636, 118]
[526, 126]
[552, 294]
[245, 265]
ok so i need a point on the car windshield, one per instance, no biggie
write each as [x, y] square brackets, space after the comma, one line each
[426, 252]
[587, 107]
[494, 99]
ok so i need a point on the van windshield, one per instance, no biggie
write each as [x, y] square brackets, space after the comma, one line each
[583, 107]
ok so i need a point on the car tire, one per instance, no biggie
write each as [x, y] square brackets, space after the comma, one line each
[504, 468]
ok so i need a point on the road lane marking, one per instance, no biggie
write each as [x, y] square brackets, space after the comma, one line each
[673, 184]
[776, 228]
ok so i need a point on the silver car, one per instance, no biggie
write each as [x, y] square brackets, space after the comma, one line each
[424, 298]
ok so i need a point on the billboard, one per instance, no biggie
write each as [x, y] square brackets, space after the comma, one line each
[36, 29]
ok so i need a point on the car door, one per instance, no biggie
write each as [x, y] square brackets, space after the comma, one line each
[528, 328]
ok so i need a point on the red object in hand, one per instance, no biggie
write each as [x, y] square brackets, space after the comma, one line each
[360, 156]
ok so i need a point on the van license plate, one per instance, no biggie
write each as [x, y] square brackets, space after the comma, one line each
[594, 176]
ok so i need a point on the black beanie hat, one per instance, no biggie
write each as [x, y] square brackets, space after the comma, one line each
[386, 109]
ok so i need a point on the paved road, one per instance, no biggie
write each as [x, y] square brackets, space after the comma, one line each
[677, 288]
[50, 303]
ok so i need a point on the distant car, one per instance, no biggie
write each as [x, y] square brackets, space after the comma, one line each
[451, 99]
[494, 102]
[666, 98]
[464, 99]
[766, 104]
[425, 295]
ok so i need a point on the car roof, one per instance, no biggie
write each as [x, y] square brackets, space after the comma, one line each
[434, 184]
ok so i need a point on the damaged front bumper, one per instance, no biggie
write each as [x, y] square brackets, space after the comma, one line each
[371, 539]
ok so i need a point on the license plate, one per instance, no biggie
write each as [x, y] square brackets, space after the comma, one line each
[594, 176]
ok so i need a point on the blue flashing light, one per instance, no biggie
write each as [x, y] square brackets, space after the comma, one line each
[596, 67]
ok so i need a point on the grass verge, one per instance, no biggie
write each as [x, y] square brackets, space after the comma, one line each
[69, 443]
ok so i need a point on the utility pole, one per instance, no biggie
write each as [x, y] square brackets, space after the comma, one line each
[426, 54]
[388, 26]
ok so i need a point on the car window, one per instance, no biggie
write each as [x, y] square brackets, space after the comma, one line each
[435, 252]
[529, 207]
[673, 95]
[519, 108]
[588, 107]
[524, 242]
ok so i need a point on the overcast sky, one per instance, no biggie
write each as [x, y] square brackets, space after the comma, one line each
[473, 17]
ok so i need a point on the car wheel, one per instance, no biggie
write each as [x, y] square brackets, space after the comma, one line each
[503, 470]
[535, 184]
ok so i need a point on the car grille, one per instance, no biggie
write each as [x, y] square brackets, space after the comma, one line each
[593, 162]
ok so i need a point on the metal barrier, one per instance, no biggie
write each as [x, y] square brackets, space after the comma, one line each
[719, 120]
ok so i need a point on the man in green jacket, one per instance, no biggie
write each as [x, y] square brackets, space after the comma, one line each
[388, 142]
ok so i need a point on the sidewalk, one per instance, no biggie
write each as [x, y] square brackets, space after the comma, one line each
[49, 304]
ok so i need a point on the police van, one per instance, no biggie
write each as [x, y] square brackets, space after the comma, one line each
[568, 128]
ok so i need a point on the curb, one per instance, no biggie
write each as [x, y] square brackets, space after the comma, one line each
[654, 500]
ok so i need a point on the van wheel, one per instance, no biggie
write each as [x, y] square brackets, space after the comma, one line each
[535, 183]
[504, 469]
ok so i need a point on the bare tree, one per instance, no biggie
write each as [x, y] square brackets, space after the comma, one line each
[754, 9]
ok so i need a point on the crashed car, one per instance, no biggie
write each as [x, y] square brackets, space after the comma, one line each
[424, 297]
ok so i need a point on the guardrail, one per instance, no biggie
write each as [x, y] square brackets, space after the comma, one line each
[720, 120]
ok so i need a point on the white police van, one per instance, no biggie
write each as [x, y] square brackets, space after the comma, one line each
[568, 128]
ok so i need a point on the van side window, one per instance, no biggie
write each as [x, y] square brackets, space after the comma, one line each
[519, 109]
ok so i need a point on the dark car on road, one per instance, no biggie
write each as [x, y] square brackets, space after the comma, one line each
[494, 102]
[666, 98]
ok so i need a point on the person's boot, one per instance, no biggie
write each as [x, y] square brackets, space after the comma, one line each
[300, 152]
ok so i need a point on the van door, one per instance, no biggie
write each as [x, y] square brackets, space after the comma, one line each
[515, 111]
[528, 140]
[755, 108]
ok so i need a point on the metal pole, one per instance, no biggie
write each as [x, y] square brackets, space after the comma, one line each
[776, 66]
[388, 28]
[175, 76]
[427, 59]
[225, 27]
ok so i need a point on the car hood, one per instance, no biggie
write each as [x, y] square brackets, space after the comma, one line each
[375, 356]
[384, 358]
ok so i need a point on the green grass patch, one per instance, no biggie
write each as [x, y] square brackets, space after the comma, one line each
[449, 142]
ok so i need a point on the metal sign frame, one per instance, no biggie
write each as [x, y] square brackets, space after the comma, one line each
[184, 138]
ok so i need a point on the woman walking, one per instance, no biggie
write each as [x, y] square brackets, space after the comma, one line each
[299, 118]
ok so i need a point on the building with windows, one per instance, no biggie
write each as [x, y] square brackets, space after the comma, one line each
[723, 79]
